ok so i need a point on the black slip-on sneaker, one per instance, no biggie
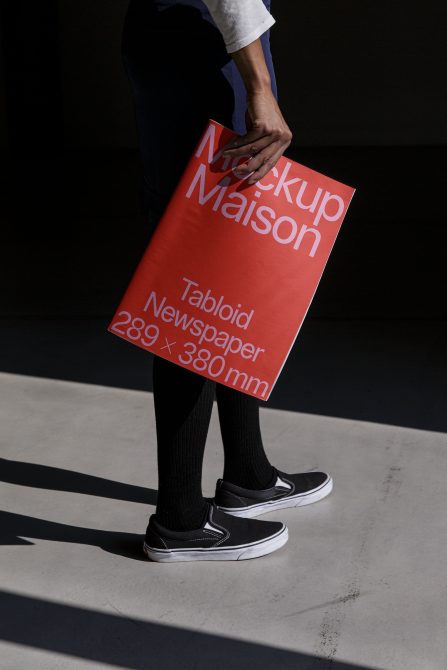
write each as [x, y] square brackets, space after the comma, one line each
[283, 491]
[222, 537]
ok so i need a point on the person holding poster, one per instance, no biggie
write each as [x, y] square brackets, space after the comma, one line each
[188, 61]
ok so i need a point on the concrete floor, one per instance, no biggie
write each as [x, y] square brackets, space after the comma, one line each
[361, 584]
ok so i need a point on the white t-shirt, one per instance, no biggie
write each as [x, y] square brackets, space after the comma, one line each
[240, 21]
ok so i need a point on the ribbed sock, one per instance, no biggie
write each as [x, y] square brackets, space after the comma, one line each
[246, 463]
[183, 404]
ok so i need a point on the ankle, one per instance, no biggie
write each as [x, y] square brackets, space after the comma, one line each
[182, 518]
[251, 480]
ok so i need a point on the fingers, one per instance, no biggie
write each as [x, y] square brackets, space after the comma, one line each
[256, 139]
[263, 161]
[255, 148]
[258, 161]
[265, 167]
[243, 146]
[238, 145]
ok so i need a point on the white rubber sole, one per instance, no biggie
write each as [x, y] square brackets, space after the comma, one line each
[240, 553]
[299, 500]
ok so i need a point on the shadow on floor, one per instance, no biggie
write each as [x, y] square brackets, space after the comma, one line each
[136, 644]
[59, 479]
[16, 527]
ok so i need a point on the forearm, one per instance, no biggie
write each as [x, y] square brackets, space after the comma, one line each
[242, 22]
[251, 64]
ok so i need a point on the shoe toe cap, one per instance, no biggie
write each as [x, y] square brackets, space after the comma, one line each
[308, 481]
[251, 529]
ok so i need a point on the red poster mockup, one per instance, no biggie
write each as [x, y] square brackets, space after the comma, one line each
[231, 269]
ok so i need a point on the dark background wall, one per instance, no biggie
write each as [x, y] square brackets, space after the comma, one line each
[362, 87]
[350, 73]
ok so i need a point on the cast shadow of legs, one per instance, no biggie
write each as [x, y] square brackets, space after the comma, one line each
[16, 527]
[59, 479]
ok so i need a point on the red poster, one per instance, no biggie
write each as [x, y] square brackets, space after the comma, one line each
[231, 269]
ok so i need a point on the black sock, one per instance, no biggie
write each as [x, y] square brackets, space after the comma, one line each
[246, 463]
[183, 404]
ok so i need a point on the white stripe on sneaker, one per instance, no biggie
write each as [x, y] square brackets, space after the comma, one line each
[281, 482]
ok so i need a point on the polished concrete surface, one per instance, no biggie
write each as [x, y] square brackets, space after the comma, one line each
[360, 584]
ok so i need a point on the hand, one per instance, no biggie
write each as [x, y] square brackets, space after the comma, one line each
[267, 137]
